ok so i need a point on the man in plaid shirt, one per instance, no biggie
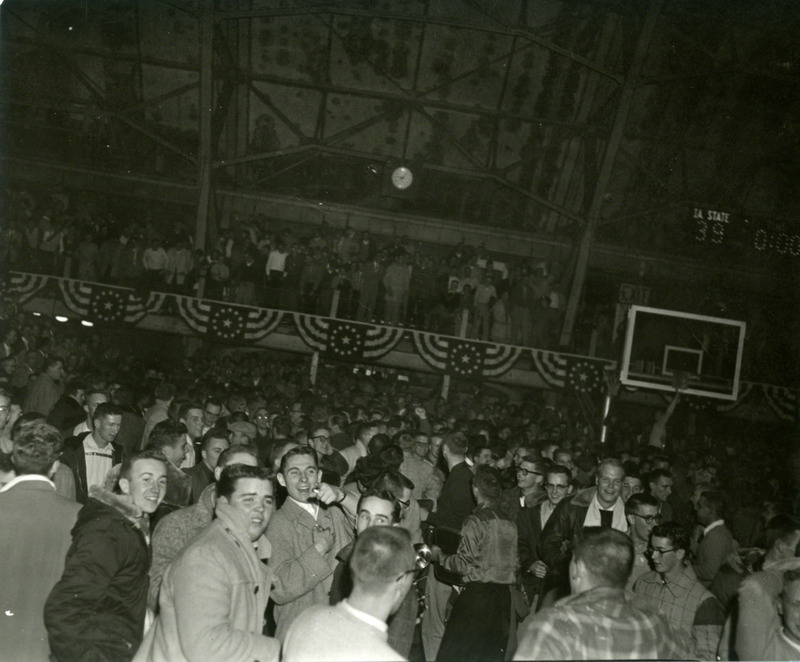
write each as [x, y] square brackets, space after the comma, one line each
[675, 591]
[600, 621]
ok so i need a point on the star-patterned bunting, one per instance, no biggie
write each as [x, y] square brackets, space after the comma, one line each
[465, 359]
[345, 340]
[227, 322]
[107, 304]
[585, 375]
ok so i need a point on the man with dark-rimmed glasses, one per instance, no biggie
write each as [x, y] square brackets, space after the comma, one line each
[641, 511]
[673, 589]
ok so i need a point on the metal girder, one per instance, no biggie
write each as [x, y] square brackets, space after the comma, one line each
[617, 131]
[432, 20]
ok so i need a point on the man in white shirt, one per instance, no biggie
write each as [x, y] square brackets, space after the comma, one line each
[91, 400]
[92, 456]
[383, 567]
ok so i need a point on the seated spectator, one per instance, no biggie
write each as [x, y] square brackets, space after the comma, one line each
[213, 596]
[600, 621]
[382, 564]
[97, 608]
[673, 589]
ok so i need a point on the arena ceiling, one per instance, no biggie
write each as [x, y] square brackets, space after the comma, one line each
[549, 116]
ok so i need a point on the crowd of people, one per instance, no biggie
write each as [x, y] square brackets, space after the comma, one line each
[254, 262]
[223, 507]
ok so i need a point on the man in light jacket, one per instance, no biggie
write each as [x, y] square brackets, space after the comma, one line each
[213, 596]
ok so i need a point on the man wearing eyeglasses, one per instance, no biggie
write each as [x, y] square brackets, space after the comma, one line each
[530, 523]
[641, 511]
[595, 506]
[382, 565]
[528, 491]
[675, 592]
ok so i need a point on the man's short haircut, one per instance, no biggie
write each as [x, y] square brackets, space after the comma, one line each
[226, 455]
[186, 407]
[714, 500]
[391, 480]
[610, 462]
[216, 432]
[281, 427]
[607, 554]
[95, 390]
[164, 391]
[780, 527]
[676, 534]
[378, 442]
[166, 433]
[230, 476]
[381, 555]
[213, 401]
[488, 481]
[640, 499]
[632, 470]
[384, 495]
[105, 409]
[556, 470]
[6, 394]
[477, 443]
[657, 474]
[363, 428]
[73, 386]
[278, 449]
[36, 445]
[51, 361]
[456, 442]
[295, 452]
[146, 454]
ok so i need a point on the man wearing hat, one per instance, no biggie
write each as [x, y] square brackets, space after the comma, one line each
[242, 433]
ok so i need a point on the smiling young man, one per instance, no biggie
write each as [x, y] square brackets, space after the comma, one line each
[213, 596]
[377, 508]
[595, 506]
[306, 534]
[97, 608]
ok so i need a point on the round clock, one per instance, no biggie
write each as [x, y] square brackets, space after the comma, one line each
[402, 178]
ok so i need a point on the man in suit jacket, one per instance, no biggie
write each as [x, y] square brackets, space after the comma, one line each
[68, 410]
[717, 542]
[92, 455]
[37, 524]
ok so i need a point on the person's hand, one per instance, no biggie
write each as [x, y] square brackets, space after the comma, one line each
[539, 569]
[436, 553]
[734, 560]
[328, 494]
[323, 538]
[420, 412]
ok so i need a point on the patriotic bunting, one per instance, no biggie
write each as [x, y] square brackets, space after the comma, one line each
[467, 359]
[228, 322]
[25, 286]
[104, 303]
[346, 340]
[355, 341]
[782, 401]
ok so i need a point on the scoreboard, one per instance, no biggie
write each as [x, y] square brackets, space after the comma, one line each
[768, 238]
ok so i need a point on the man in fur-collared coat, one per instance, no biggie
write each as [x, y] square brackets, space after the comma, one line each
[96, 611]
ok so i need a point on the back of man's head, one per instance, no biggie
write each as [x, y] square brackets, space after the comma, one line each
[455, 443]
[606, 555]
[488, 482]
[381, 555]
[36, 446]
[166, 433]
